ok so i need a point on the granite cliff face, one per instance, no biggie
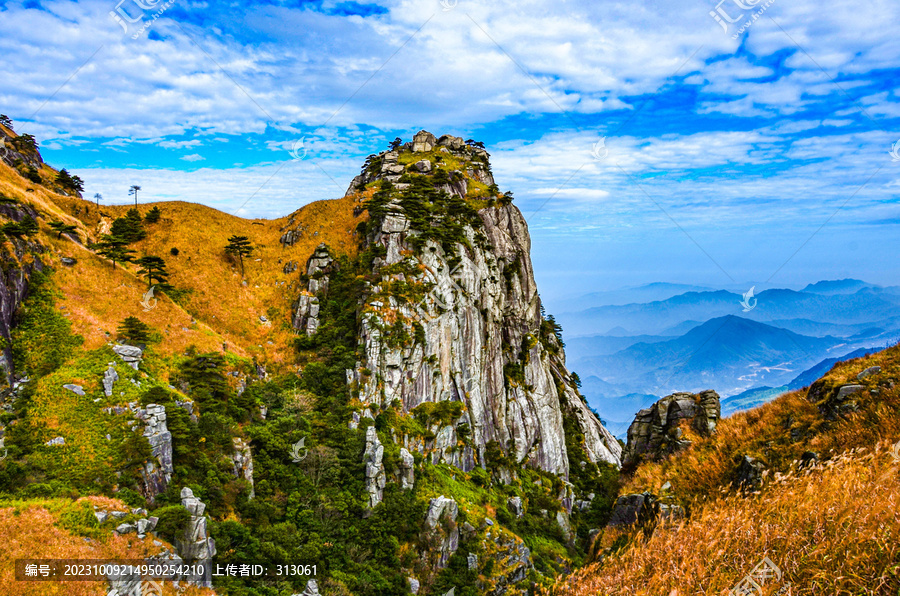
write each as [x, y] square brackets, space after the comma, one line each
[454, 314]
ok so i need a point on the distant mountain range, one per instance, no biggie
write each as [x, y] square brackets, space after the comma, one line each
[630, 354]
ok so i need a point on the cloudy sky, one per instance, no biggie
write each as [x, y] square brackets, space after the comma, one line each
[652, 141]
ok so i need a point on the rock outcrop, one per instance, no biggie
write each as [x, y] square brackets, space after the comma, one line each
[658, 431]
[306, 307]
[441, 519]
[471, 326]
[242, 459]
[195, 546]
[15, 276]
[372, 458]
[131, 355]
[156, 474]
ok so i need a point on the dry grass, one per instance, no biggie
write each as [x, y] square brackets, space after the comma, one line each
[30, 530]
[832, 528]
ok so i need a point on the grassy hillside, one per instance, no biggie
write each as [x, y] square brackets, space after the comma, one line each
[832, 526]
[67, 529]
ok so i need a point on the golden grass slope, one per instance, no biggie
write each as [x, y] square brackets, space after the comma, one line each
[220, 309]
[833, 528]
[44, 530]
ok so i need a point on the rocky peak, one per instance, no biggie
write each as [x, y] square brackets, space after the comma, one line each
[452, 321]
[658, 431]
[451, 161]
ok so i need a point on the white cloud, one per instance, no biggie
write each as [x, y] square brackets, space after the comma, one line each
[193, 157]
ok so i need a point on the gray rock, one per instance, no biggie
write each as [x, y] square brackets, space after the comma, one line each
[289, 267]
[77, 389]
[56, 441]
[423, 141]
[634, 509]
[444, 508]
[407, 469]
[872, 370]
[655, 432]
[131, 355]
[472, 561]
[848, 390]
[119, 514]
[109, 379]
[242, 459]
[413, 585]
[158, 472]
[515, 506]
[750, 473]
[194, 544]
[263, 319]
[312, 588]
[372, 458]
[101, 516]
[68, 261]
[125, 528]
[423, 166]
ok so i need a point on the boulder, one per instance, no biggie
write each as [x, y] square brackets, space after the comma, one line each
[634, 509]
[423, 141]
[76, 389]
[413, 585]
[131, 355]
[750, 473]
[872, 370]
[515, 506]
[424, 166]
[658, 430]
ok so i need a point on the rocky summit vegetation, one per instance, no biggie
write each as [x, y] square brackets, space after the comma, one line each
[370, 390]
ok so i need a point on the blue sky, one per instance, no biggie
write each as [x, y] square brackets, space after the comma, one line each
[642, 141]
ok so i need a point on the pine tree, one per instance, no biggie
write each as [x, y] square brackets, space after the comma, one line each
[153, 215]
[134, 191]
[6, 121]
[62, 228]
[241, 247]
[27, 227]
[129, 228]
[133, 331]
[115, 249]
[154, 269]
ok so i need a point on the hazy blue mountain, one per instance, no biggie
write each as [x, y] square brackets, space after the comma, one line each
[645, 293]
[729, 354]
[660, 317]
[837, 286]
[598, 345]
[750, 399]
[760, 395]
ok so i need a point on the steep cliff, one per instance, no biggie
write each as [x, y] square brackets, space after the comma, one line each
[451, 315]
